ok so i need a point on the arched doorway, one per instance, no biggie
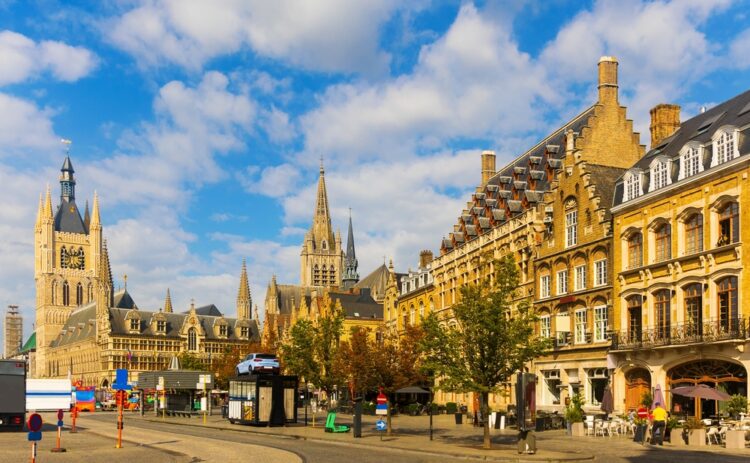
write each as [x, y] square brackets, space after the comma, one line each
[637, 383]
[725, 376]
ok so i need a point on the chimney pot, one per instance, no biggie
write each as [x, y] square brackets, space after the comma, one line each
[488, 165]
[665, 120]
[425, 257]
[608, 79]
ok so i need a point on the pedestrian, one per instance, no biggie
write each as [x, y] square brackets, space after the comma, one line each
[659, 426]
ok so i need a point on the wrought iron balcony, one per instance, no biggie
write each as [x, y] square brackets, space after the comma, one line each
[682, 333]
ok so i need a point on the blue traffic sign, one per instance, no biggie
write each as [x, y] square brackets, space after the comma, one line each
[35, 436]
[380, 425]
[121, 380]
[35, 422]
[59, 423]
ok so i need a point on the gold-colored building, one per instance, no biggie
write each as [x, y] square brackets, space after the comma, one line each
[409, 297]
[680, 220]
[573, 294]
[86, 330]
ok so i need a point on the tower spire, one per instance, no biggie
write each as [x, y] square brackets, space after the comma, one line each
[40, 212]
[350, 277]
[48, 204]
[168, 303]
[244, 300]
[67, 181]
[95, 219]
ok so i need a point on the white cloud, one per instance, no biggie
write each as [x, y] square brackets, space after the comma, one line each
[277, 125]
[21, 58]
[23, 125]
[274, 181]
[325, 35]
[739, 50]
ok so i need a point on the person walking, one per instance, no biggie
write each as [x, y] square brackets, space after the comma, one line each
[659, 426]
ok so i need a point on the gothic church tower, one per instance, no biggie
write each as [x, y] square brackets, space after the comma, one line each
[322, 258]
[69, 253]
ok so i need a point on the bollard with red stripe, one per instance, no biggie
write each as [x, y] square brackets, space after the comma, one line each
[60, 416]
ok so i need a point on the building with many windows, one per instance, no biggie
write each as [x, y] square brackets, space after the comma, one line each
[409, 296]
[680, 221]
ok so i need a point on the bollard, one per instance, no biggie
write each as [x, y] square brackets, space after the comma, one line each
[121, 398]
[59, 449]
[35, 433]
[74, 415]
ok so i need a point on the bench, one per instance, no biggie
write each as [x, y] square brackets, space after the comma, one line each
[186, 413]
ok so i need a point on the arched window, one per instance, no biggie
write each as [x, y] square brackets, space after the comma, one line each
[316, 276]
[659, 175]
[79, 294]
[693, 295]
[421, 310]
[663, 242]
[412, 315]
[89, 292]
[690, 161]
[694, 234]
[63, 257]
[192, 340]
[54, 292]
[632, 185]
[635, 318]
[324, 276]
[332, 275]
[571, 227]
[662, 309]
[66, 294]
[729, 224]
[724, 147]
[82, 258]
[324, 245]
[728, 304]
[635, 250]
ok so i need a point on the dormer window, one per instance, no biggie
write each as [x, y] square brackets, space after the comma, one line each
[161, 326]
[244, 332]
[632, 185]
[725, 146]
[690, 161]
[135, 324]
[660, 174]
[223, 331]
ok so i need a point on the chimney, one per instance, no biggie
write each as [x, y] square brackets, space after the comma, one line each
[488, 166]
[665, 120]
[608, 79]
[425, 258]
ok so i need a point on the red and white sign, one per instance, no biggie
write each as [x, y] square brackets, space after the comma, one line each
[381, 406]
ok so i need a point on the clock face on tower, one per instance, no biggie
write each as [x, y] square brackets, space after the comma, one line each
[72, 259]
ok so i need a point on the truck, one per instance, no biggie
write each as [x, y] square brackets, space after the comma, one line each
[12, 394]
[48, 394]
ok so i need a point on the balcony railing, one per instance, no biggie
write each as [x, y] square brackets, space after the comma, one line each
[682, 333]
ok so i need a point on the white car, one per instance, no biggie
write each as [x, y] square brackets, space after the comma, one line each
[258, 363]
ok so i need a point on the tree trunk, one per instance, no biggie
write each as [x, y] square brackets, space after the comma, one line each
[485, 417]
[388, 417]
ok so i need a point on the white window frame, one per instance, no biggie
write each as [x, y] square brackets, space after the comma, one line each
[600, 323]
[600, 272]
[660, 175]
[544, 286]
[691, 162]
[580, 326]
[562, 282]
[571, 228]
[545, 326]
[724, 146]
[632, 185]
[580, 277]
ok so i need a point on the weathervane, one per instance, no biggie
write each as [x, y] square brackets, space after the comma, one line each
[67, 144]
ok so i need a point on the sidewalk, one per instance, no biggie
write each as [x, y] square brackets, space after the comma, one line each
[411, 434]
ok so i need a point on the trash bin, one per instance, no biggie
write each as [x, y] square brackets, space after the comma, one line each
[459, 418]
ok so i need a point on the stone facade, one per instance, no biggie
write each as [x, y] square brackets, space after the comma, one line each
[409, 297]
[680, 219]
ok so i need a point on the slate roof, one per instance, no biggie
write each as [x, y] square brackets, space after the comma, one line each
[701, 128]
[68, 218]
[525, 174]
[377, 281]
[358, 304]
[604, 179]
[289, 296]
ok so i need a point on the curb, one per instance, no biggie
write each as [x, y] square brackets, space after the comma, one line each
[518, 459]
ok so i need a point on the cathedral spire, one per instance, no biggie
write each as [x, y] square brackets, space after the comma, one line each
[244, 300]
[48, 204]
[322, 215]
[168, 303]
[95, 219]
[350, 277]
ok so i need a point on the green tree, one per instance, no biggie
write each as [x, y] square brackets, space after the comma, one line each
[493, 339]
[190, 361]
[355, 362]
[296, 353]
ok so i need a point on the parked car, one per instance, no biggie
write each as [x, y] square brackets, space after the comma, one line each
[258, 363]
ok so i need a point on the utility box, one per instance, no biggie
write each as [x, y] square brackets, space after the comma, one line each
[262, 400]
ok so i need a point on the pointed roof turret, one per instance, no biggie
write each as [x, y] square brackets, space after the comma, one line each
[86, 216]
[95, 218]
[67, 181]
[105, 271]
[244, 299]
[48, 203]
[350, 277]
[168, 303]
[40, 211]
[68, 217]
[321, 228]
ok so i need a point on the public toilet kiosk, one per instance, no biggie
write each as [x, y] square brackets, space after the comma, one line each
[262, 400]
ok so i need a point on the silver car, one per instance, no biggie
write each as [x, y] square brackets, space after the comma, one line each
[258, 363]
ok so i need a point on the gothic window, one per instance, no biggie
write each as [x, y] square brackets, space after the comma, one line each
[324, 276]
[66, 294]
[694, 234]
[79, 294]
[690, 162]
[421, 310]
[316, 275]
[63, 257]
[82, 259]
[89, 292]
[324, 245]
[54, 292]
[728, 306]
[192, 340]
[664, 242]
[662, 308]
[635, 251]
[412, 315]
[332, 275]
[729, 224]
[693, 295]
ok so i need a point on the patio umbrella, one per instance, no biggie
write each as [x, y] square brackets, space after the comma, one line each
[658, 397]
[608, 403]
[701, 391]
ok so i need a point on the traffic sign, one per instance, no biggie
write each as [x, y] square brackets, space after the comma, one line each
[121, 380]
[60, 414]
[35, 436]
[381, 407]
[35, 422]
[380, 425]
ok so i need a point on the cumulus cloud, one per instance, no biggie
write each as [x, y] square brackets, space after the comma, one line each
[24, 125]
[273, 181]
[739, 50]
[325, 35]
[21, 58]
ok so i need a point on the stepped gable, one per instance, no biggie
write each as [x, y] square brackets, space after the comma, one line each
[515, 188]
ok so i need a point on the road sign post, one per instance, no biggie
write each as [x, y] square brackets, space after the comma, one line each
[380, 427]
[381, 406]
[121, 386]
[35, 433]
[60, 416]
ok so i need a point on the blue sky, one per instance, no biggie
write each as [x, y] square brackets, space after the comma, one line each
[201, 124]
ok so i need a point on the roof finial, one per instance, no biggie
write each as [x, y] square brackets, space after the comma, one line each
[322, 171]
[125, 280]
[67, 144]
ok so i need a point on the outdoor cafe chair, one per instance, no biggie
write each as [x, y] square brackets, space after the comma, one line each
[713, 436]
[590, 425]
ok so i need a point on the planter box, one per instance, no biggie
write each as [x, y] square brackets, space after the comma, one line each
[735, 439]
[640, 434]
[697, 437]
[577, 430]
[679, 438]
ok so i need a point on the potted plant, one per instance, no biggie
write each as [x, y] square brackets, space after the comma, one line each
[640, 429]
[696, 432]
[574, 415]
[672, 423]
[735, 405]
[647, 400]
